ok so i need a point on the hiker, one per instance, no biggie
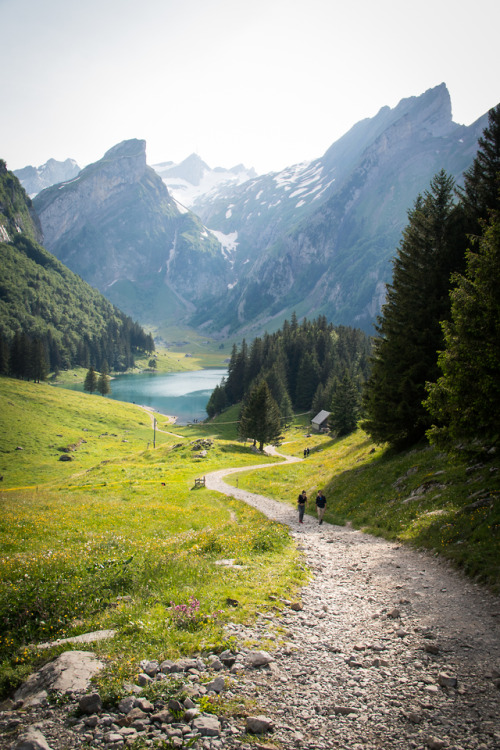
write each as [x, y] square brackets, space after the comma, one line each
[320, 505]
[305, 452]
[302, 505]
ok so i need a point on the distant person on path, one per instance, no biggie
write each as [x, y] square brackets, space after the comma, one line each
[320, 505]
[302, 505]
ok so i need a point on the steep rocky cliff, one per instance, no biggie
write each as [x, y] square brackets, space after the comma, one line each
[16, 209]
[116, 225]
[319, 237]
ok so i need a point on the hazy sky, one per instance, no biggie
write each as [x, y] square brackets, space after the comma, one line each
[267, 83]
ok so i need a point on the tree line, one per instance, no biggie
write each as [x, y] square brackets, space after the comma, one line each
[433, 370]
[48, 315]
[436, 359]
[303, 365]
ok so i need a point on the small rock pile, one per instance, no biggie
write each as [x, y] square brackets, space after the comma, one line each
[179, 721]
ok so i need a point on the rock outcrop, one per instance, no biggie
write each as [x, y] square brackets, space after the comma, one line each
[116, 225]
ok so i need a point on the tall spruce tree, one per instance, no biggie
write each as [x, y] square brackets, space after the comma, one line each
[465, 401]
[90, 382]
[344, 407]
[405, 353]
[38, 367]
[260, 417]
[103, 380]
[481, 191]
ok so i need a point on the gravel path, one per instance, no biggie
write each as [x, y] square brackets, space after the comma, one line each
[392, 648]
[388, 649]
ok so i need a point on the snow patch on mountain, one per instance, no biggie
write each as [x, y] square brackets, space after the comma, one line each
[229, 242]
[193, 178]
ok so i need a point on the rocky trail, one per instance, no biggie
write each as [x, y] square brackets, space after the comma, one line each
[388, 648]
[392, 647]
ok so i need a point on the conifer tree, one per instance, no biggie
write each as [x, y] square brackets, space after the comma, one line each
[344, 407]
[260, 417]
[405, 353]
[465, 401]
[286, 409]
[4, 356]
[38, 367]
[481, 191]
[90, 382]
[19, 355]
[103, 380]
[237, 374]
[217, 401]
[308, 379]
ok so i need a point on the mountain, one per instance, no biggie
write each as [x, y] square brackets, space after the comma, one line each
[193, 178]
[17, 214]
[318, 237]
[117, 226]
[35, 179]
[42, 300]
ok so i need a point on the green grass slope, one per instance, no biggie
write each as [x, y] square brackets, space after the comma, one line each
[117, 536]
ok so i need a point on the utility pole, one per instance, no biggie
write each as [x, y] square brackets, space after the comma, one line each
[154, 432]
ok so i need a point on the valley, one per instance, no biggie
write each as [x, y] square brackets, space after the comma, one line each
[110, 540]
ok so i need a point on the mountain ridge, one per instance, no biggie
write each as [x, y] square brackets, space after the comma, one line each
[315, 238]
[117, 226]
[349, 209]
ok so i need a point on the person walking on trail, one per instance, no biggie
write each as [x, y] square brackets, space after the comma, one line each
[320, 506]
[302, 500]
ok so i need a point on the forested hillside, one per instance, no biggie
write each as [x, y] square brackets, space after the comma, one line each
[49, 317]
[304, 366]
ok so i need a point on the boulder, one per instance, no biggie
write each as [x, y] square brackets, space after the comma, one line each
[69, 673]
[32, 740]
[217, 685]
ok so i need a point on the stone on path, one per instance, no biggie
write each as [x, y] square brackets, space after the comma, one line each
[207, 726]
[90, 704]
[32, 740]
[259, 724]
[446, 680]
[258, 659]
[216, 685]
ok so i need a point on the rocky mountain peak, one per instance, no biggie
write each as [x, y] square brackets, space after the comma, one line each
[191, 169]
[126, 161]
[35, 179]
[432, 110]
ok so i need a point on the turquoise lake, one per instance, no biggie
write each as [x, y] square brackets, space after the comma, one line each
[179, 394]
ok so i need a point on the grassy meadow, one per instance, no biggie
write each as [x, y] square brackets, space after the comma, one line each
[119, 537]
